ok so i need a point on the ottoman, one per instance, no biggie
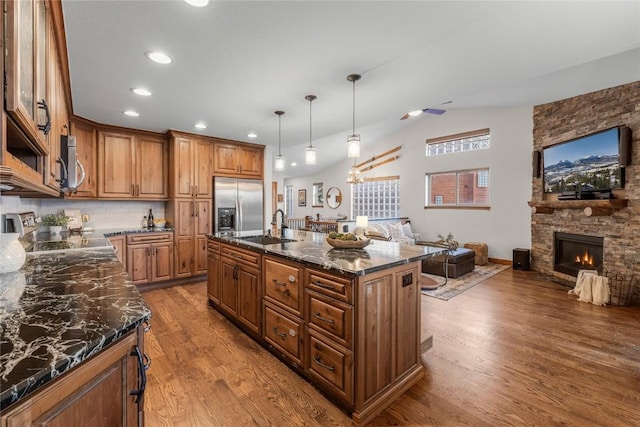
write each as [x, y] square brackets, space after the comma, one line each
[459, 262]
[481, 250]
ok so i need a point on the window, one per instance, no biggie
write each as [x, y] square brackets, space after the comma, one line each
[288, 200]
[467, 141]
[376, 198]
[467, 188]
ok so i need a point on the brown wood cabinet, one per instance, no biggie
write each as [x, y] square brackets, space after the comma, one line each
[119, 244]
[213, 271]
[96, 392]
[87, 150]
[132, 166]
[357, 338]
[150, 257]
[191, 220]
[191, 166]
[241, 287]
[234, 159]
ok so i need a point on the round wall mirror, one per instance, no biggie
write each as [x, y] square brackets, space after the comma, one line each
[334, 197]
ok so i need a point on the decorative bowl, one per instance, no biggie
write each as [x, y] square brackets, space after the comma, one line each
[348, 244]
[159, 224]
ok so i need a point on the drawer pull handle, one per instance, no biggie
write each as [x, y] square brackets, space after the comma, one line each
[322, 285]
[280, 334]
[324, 319]
[278, 283]
[237, 256]
[318, 360]
[147, 325]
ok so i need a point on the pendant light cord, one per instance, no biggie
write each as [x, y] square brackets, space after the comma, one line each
[310, 139]
[354, 108]
[279, 132]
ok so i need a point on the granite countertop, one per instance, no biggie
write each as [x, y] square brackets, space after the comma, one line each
[312, 249]
[59, 309]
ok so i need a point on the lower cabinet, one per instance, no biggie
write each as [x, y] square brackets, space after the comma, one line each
[213, 270]
[150, 257]
[240, 287]
[119, 244]
[96, 393]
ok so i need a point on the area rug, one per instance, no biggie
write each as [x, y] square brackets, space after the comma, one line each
[434, 286]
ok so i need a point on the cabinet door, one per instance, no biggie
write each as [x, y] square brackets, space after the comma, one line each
[138, 263]
[228, 289]
[86, 140]
[116, 167]
[182, 168]
[251, 161]
[200, 255]
[120, 248]
[184, 256]
[26, 41]
[249, 298]
[202, 213]
[184, 217]
[213, 277]
[151, 168]
[203, 168]
[162, 261]
[226, 159]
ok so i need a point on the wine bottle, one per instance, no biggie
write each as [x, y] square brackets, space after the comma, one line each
[150, 219]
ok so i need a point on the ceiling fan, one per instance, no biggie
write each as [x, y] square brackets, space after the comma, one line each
[425, 110]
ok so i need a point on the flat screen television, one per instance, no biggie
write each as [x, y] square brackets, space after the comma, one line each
[590, 162]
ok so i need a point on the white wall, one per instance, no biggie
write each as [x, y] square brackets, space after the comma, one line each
[504, 227]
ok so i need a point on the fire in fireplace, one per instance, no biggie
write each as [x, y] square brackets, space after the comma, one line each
[575, 252]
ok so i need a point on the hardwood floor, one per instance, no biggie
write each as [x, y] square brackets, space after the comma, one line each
[515, 350]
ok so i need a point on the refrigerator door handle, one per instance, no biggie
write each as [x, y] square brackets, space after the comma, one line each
[239, 214]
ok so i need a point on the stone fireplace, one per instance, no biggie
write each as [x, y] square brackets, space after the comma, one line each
[575, 252]
[615, 223]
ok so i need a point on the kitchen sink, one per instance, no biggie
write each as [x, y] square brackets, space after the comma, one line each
[266, 240]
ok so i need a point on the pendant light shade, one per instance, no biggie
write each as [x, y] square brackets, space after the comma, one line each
[310, 155]
[353, 140]
[279, 163]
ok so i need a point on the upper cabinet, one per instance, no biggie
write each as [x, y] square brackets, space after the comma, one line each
[87, 151]
[132, 166]
[238, 160]
[26, 70]
[191, 166]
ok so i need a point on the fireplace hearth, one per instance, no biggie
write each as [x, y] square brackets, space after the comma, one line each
[575, 252]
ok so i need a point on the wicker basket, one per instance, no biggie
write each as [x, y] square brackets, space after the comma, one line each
[348, 244]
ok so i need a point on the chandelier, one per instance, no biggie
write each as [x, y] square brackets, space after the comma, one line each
[354, 176]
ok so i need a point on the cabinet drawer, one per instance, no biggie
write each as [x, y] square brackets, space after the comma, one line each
[243, 256]
[283, 332]
[213, 246]
[328, 284]
[132, 239]
[330, 316]
[283, 283]
[331, 365]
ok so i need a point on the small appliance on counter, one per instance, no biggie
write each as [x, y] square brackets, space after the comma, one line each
[23, 223]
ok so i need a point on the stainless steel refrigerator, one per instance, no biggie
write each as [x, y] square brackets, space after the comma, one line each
[237, 204]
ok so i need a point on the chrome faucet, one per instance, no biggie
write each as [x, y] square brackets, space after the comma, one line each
[274, 221]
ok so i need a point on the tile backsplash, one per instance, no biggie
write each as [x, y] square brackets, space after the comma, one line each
[104, 214]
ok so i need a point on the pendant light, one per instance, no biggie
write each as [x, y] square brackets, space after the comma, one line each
[279, 164]
[353, 140]
[310, 155]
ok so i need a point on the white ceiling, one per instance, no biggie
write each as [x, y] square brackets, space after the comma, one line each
[236, 62]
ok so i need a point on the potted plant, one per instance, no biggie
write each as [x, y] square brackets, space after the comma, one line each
[448, 241]
[55, 222]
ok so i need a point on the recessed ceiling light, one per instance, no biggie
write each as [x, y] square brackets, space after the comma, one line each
[131, 113]
[294, 164]
[197, 3]
[252, 135]
[140, 91]
[415, 113]
[200, 125]
[159, 57]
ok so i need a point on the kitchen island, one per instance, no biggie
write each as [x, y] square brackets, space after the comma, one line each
[348, 320]
[71, 341]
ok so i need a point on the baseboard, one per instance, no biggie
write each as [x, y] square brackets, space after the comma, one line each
[500, 261]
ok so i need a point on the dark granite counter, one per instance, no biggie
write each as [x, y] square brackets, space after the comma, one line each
[58, 310]
[312, 249]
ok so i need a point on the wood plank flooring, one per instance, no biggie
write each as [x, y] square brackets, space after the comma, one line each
[515, 350]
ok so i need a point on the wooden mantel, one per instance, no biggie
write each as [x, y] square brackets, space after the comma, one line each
[590, 207]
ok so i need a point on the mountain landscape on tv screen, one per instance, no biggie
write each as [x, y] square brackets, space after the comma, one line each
[596, 172]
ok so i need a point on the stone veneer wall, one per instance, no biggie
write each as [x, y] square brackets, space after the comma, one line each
[572, 118]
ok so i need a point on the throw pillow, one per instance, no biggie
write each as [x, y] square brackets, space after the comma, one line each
[382, 228]
[406, 228]
[396, 231]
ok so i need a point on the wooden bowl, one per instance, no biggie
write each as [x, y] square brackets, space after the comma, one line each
[348, 244]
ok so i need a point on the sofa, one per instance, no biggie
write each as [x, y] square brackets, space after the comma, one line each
[392, 230]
